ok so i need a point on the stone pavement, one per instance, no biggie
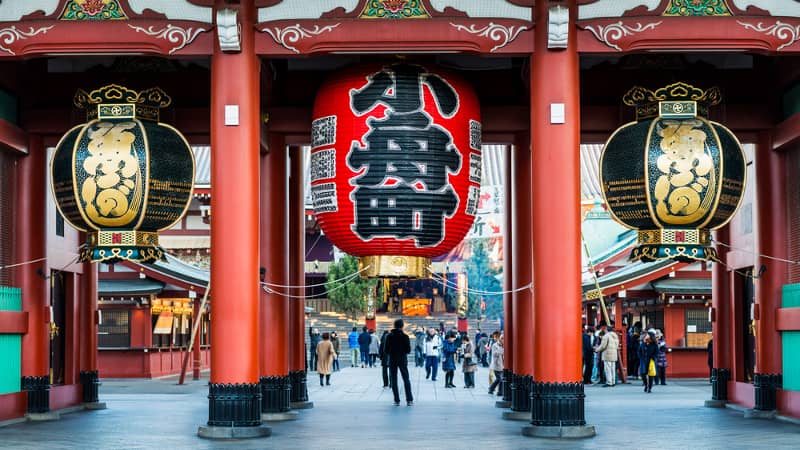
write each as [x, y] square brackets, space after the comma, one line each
[356, 412]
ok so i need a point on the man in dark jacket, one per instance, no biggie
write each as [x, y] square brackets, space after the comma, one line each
[363, 343]
[314, 340]
[384, 359]
[588, 355]
[398, 346]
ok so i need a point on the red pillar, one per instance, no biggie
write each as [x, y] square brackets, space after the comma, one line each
[771, 241]
[297, 277]
[508, 267]
[721, 322]
[234, 395]
[28, 245]
[88, 336]
[523, 324]
[275, 263]
[555, 88]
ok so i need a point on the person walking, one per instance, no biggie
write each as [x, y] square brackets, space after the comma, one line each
[336, 345]
[608, 348]
[470, 362]
[497, 364]
[315, 339]
[433, 345]
[352, 342]
[449, 359]
[325, 358]
[398, 346]
[661, 361]
[363, 346]
[648, 354]
[374, 346]
[384, 359]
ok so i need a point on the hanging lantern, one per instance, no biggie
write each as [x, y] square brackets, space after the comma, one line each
[122, 176]
[673, 175]
[395, 165]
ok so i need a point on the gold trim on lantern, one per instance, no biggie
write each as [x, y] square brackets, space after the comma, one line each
[675, 236]
[394, 266]
[126, 238]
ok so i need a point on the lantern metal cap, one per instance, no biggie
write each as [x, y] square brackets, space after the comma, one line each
[379, 266]
[677, 100]
[119, 102]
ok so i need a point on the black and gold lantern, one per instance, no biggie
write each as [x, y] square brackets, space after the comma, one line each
[123, 176]
[673, 175]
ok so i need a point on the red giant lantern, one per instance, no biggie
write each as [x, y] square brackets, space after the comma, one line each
[396, 165]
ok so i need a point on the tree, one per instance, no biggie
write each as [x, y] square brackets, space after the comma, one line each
[482, 276]
[348, 296]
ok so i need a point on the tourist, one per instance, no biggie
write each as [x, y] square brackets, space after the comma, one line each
[363, 345]
[661, 362]
[449, 359]
[384, 359]
[470, 362]
[608, 347]
[497, 363]
[419, 346]
[433, 345]
[648, 354]
[482, 347]
[336, 345]
[632, 342]
[315, 339]
[325, 358]
[352, 342]
[398, 346]
[588, 355]
[373, 348]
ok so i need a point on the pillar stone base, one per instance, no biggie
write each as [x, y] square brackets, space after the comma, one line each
[43, 417]
[90, 385]
[301, 405]
[759, 414]
[521, 393]
[502, 404]
[275, 394]
[38, 389]
[95, 406]
[215, 432]
[234, 405]
[280, 417]
[569, 432]
[557, 405]
[299, 392]
[522, 416]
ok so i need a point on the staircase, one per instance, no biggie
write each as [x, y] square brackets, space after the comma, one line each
[333, 321]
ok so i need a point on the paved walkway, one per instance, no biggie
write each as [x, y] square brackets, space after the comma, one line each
[356, 412]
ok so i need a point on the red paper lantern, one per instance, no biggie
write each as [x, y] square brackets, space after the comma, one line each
[396, 164]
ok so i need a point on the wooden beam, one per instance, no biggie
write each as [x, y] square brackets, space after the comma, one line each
[13, 137]
[787, 133]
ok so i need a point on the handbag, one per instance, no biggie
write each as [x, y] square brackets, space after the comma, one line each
[651, 369]
[469, 361]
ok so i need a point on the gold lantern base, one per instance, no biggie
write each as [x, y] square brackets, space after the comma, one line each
[381, 266]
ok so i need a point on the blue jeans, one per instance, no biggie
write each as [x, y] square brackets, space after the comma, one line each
[365, 356]
[431, 362]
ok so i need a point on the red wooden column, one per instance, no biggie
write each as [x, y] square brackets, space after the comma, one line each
[234, 393]
[721, 323]
[508, 279]
[557, 390]
[197, 354]
[771, 241]
[88, 323]
[297, 277]
[522, 320]
[275, 384]
[28, 245]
